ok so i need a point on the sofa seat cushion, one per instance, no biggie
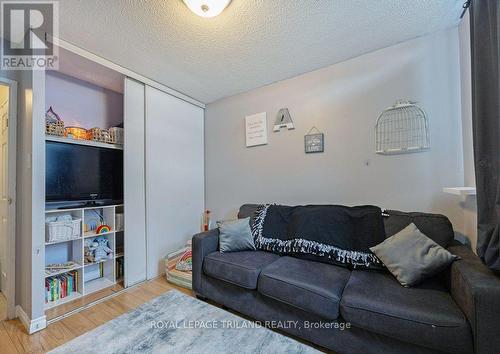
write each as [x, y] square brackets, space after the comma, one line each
[424, 315]
[311, 286]
[239, 268]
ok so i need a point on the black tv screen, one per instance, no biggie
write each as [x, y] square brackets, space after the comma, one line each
[82, 173]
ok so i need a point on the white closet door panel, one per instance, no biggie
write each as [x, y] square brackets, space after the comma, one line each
[174, 175]
[134, 183]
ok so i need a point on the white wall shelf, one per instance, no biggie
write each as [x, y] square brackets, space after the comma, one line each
[460, 190]
[83, 142]
[93, 234]
[101, 261]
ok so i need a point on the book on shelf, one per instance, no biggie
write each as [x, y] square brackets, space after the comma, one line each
[94, 271]
[61, 286]
[119, 268]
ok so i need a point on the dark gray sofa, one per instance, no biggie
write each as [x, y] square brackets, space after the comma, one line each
[455, 312]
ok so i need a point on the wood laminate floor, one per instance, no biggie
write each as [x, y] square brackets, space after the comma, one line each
[15, 339]
[3, 307]
[82, 301]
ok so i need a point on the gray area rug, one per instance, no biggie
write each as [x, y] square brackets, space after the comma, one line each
[177, 323]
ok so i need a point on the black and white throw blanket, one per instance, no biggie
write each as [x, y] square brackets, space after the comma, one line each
[326, 233]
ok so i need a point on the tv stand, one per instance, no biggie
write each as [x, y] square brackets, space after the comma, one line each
[93, 203]
[82, 204]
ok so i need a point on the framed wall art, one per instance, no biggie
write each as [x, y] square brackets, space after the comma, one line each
[256, 129]
[314, 142]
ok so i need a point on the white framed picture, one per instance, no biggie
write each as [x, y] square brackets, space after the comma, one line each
[256, 129]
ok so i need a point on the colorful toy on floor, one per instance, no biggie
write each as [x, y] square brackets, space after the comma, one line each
[185, 263]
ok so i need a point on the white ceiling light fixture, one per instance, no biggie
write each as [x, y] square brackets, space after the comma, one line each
[207, 8]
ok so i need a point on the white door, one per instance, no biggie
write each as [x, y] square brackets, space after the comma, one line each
[134, 184]
[4, 190]
[174, 175]
[8, 113]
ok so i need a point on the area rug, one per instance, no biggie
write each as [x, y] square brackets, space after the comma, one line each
[177, 323]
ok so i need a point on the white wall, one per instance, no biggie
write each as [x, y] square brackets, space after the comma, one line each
[343, 101]
[80, 103]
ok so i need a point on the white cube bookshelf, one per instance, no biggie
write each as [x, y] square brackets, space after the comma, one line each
[73, 250]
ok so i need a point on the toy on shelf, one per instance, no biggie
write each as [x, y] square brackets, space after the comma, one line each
[77, 133]
[102, 250]
[89, 251]
[98, 134]
[103, 229]
[53, 123]
[116, 135]
[97, 250]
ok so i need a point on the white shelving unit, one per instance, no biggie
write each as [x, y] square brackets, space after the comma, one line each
[73, 250]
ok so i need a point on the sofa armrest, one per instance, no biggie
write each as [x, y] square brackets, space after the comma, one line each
[476, 290]
[203, 244]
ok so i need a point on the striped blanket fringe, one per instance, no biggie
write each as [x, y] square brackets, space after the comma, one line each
[300, 245]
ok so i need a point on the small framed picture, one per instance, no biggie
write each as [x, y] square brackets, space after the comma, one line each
[314, 143]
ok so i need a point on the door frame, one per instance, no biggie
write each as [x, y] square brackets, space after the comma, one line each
[11, 211]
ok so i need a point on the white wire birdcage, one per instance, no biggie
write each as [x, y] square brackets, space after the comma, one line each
[402, 128]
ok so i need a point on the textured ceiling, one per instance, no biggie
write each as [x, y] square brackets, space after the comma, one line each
[251, 44]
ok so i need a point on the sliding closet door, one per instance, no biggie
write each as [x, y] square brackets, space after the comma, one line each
[134, 184]
[174, 175]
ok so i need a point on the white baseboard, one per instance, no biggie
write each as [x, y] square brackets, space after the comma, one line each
[31, 326]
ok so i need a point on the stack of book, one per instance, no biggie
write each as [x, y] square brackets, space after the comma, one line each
[119, 268]
[61, 286]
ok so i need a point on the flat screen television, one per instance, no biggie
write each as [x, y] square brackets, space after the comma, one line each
[79, 173]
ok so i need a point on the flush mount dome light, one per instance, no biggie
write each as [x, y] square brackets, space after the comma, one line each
[207, 8]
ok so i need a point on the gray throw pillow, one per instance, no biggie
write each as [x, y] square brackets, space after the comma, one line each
[235, 235]
[411, 256]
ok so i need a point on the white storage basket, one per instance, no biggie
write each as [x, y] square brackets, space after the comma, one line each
[62, 230]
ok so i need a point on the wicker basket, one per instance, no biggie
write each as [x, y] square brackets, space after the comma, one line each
[98, 134]
[57, 231]
[116, 135]
[55, 128]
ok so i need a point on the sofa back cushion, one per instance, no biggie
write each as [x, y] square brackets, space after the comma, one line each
[435, 226]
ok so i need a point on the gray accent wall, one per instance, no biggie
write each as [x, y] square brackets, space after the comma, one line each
[343, 101]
